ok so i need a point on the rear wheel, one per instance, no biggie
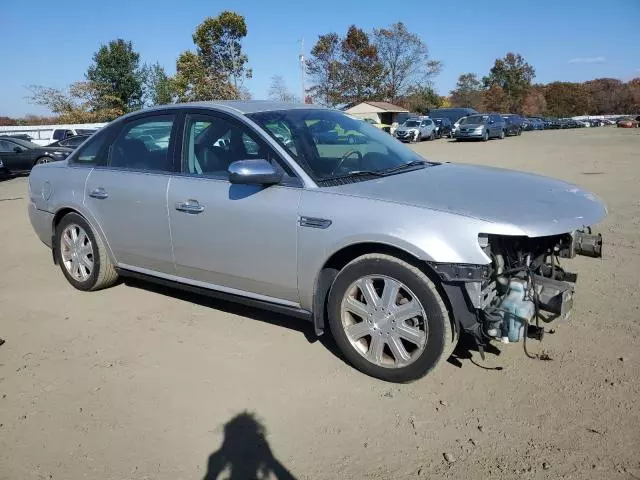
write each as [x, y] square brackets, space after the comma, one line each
[42, 160]
[82, 255]
[388, 318]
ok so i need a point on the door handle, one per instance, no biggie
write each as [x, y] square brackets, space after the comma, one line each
[190, 206]
[98, 193]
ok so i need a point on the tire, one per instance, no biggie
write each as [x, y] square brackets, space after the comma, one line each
[432, 136]
[42, 160]
[501, 137]
[485, 136]
[519, 132]
[430, 327]
[102, 273]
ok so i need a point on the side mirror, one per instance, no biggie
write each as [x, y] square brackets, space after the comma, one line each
[17, 149]
[254, 172]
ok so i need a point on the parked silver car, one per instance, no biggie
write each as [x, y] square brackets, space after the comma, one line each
[416, 129]
[394, 254]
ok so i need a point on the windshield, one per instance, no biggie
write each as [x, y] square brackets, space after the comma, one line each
[474, 120]
[411, 123]
[328, 144]
[24, 143]
[85, 131]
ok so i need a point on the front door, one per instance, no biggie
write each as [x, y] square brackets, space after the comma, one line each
[127, 197]
[237, 238]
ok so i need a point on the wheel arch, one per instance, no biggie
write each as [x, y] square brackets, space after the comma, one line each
[339, 259]
[64, 211]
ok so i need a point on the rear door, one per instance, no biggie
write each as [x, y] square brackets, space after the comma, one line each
[236, 238]
[127, 195]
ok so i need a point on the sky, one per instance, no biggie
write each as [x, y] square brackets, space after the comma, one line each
[52, 44]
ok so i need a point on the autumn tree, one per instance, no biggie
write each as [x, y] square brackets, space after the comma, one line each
[468, 92]
[325, 70]
[513, 75]
[361, 67]
[116, 77]
[565, 99]
[279, 92]
[534, 102]
[405, 61]
[494, 99]
[218, 67]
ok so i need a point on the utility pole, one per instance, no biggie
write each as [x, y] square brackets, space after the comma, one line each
[302, 71]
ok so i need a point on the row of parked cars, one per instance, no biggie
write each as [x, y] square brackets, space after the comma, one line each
[18, 154]
[467, 124]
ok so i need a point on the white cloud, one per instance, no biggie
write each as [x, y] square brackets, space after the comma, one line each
[588, 60]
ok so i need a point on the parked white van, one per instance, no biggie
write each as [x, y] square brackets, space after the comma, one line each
[46, 134]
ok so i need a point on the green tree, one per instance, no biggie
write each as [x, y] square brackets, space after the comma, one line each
[421, 99]
[117, 76]
[468, 92]
[325, 70]
[513, 75]
[218, 67]
[405, 60]
[159, 88]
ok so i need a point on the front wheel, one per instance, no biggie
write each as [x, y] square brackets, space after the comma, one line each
[82, 255]
[485, 136]
[388, 318]
[42, 160]
[432, 136]
[501, 135]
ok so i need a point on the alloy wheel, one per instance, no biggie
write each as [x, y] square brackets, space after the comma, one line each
[384, 321]
[76, 251]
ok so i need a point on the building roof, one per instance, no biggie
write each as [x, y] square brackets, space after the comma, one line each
[378, 107]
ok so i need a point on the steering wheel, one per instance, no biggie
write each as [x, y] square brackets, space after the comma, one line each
[343, 158]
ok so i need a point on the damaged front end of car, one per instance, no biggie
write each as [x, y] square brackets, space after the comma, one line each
[523, 285]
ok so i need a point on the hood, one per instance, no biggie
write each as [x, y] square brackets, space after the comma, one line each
[534, 204]
[406, 129]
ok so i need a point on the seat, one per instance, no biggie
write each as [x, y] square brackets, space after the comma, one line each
[130, 153]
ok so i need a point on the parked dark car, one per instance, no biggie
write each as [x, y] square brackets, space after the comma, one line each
[481, 127]
[443, 127]
[513, 124]
[71, 142]
[20, 156]
[453, 114]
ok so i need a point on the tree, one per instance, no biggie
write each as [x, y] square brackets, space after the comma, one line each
[534, 103]
[565, 99]
[513, 75]
[84, 102]
[218, 43]
[116, 76]
[468, 92]
[159, 89]
[405, 60]
[325, 70]
[279, 92]
[494, 99]
[421, 99]
[606, 95]
[362, 70]
[217, 68]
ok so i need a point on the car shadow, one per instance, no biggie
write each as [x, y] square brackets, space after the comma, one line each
[299, 325]
[245, 453]
[463, 353]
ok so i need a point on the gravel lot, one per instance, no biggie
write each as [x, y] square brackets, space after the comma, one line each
[137, 382]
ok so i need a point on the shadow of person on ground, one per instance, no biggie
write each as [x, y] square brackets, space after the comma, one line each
[245, 453]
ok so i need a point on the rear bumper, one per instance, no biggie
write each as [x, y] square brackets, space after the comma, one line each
[42, 223]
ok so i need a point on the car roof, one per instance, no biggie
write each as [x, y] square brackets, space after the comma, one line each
[237, 106]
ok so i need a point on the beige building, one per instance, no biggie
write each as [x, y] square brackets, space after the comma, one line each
[381, 112]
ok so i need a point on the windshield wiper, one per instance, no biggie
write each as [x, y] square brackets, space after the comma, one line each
[356, 173]
[413, 163]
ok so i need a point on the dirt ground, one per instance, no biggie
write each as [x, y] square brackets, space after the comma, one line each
[136, 382]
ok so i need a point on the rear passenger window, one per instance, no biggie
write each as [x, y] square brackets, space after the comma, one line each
[144, 145]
